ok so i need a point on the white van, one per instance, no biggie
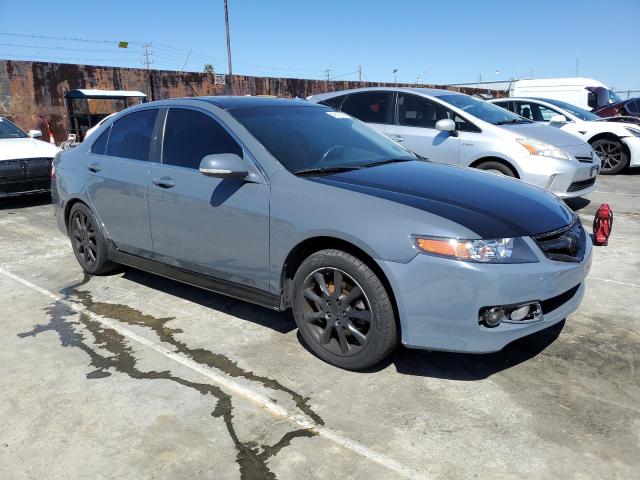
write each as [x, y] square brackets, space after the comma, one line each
[582, 92]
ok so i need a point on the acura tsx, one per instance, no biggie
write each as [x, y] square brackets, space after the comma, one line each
[290, 204]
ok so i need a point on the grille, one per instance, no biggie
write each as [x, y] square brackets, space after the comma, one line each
[24, 168]
[565, 245]
[585, 159]
[576, 186]
[551, 304]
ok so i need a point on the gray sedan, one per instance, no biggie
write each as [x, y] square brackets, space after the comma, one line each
[289, 204]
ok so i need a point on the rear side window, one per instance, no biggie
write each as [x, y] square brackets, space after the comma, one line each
[334, 102]
[633, 106]
[189, 136]
[372, 107]
[99, 147]
[508, 105]
[131, 135]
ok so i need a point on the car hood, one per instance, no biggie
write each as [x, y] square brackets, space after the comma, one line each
[490, 205]
[14, 148]
[551, 135]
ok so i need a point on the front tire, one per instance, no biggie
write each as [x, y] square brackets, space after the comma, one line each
[88, 242]
[497, 168]
[343, 310]
[612, 154]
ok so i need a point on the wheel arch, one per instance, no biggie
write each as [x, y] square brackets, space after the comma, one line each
[67, 210]
[311, 245]
[504, 162]
[610, 136]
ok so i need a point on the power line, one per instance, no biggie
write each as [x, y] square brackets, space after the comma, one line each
[65, 39]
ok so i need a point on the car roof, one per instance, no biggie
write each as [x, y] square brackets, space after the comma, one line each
[229, 102]
[434, 92]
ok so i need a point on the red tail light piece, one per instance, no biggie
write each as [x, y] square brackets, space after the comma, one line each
[602, 224]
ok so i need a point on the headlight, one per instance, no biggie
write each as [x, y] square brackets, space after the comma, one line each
[536, 147]
[500, 250]
[633, 131]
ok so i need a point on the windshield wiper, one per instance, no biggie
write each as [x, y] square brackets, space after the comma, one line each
[385, 161]
[337, 169]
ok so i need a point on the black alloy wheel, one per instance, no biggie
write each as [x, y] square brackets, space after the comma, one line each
[83, 236]
[613, 157]
[343, 310]
[337, 311]
[88, 242]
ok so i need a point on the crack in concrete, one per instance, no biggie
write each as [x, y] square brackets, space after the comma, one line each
[250, 457]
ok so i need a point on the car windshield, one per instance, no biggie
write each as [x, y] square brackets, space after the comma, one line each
[483, 110]
[305, 138]
[577, 111]
[9, 130]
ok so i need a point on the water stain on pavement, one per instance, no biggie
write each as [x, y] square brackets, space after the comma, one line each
[251, 457]
[132, 316]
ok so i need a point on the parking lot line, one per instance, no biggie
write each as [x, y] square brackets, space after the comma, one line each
[610, 280]
[238, 389]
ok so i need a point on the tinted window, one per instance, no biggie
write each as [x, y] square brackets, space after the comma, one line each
[99, 147]
[370, 107]
[9, 130]
[414, 111]
[305, 137]
[577, 111]
[189, 136]
[333, 102]
[633, 106]
[131, 135]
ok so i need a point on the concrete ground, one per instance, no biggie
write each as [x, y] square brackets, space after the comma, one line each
[131, 376]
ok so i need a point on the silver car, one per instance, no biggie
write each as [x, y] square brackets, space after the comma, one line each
[451, 127]
[289, 204]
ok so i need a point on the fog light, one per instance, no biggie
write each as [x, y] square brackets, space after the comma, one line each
[520, 313]
[493, 316]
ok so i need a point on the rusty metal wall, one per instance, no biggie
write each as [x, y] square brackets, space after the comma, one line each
[32, 93]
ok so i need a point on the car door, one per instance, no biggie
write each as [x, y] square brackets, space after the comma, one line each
[415, 129]
[214, 226]
[372, 107]
[542, 113]
[117, 174]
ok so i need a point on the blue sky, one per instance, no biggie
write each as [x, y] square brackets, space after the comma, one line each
[440, 42]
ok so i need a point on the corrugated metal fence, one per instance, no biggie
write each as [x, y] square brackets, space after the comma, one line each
[32, 93]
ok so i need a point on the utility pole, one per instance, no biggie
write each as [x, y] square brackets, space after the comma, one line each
[147, 62]
[578, 63]
[395, 76]
[230, 76]
[328, 73]
[359, 73]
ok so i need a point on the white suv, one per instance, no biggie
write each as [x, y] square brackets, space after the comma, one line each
[451, 127]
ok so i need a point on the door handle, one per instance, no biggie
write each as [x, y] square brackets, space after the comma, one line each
[396, 138]
[164, 182]
[94, 167]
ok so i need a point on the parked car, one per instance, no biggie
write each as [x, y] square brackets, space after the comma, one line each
[25, 163]
[623, 108]
[583, 92]
[617, 144]
[289, 204]
[450, 127]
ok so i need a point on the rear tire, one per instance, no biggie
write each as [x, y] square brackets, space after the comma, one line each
[343, 311]
[613, 156]
[88, 242]
[496, 167]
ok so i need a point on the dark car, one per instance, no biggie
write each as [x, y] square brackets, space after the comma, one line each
[624, 108]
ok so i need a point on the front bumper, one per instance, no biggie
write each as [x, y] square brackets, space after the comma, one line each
[439, 299]
[565, 178]
[24, 175]
[633, 144]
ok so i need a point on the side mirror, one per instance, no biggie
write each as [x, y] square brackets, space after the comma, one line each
[558, 119]
[223, 165]
[35, 133]
[446, 125]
